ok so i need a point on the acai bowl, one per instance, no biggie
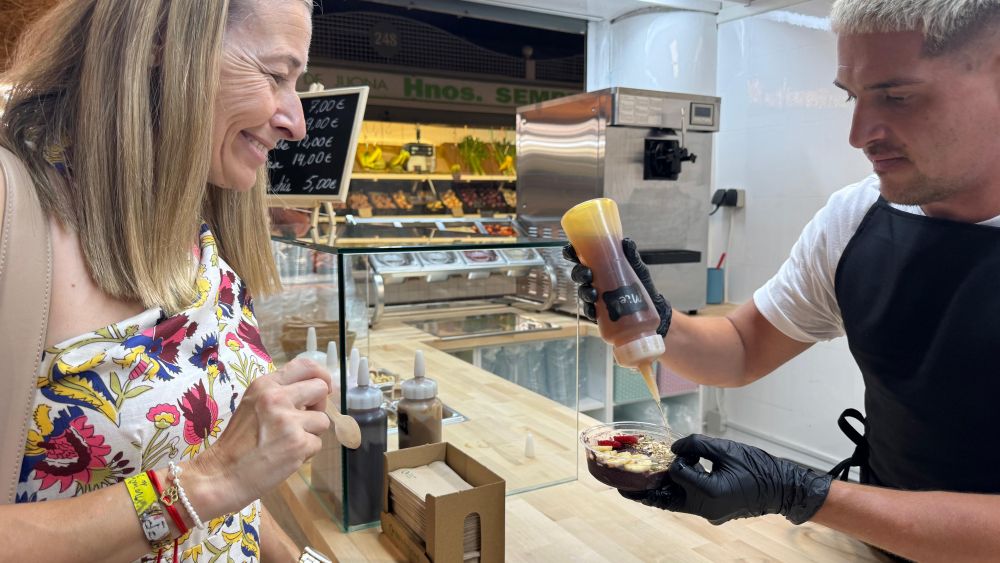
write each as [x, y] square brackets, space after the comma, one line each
[629, 456]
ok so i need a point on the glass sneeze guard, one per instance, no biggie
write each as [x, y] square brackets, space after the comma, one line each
[375, 296]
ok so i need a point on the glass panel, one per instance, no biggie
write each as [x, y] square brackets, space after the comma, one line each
[506, 369]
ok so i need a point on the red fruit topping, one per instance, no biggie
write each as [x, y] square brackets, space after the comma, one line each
[606, 443]
[616, 444]
[627, 439]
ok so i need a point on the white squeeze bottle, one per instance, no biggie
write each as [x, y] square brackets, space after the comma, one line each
[311, 352]
[418, 415]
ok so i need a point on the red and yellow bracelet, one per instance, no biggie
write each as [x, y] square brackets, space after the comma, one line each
[168, 498]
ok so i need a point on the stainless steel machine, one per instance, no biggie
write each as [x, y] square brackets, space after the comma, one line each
[649, 151]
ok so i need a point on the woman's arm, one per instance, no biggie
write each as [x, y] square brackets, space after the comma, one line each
[98, 526]
[273, 431]
[923, 526]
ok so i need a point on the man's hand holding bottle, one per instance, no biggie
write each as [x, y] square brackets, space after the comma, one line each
[745, 481]
[584, 276]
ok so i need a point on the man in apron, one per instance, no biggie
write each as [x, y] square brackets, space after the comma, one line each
[906, 264]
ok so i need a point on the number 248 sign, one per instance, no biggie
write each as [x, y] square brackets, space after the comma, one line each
[385, 39]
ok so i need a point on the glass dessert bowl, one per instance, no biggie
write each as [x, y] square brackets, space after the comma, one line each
[629, 456]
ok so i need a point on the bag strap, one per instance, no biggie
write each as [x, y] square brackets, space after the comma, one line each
[25, 287]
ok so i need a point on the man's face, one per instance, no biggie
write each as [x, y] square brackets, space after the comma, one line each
[928, 125]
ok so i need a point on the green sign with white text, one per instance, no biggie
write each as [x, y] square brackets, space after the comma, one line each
[488, 96]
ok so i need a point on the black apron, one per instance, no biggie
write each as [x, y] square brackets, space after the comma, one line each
[920, 300]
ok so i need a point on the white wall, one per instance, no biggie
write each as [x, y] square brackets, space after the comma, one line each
[673, 51]
[783, 139]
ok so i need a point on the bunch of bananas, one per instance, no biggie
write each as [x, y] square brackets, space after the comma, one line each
[371, 158]
[399, 161]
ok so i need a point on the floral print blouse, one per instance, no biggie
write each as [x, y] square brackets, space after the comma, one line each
[149, 389]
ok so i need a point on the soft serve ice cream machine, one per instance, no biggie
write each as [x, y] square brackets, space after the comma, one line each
[649, 151]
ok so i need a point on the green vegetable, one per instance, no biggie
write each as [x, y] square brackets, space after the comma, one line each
[473, 152]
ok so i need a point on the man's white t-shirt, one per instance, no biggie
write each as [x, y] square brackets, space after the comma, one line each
[800, 300]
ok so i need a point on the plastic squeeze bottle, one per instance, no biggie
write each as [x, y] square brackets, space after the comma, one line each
[312, 353]
[418, 415]
[326, 464]
[626, 317]
[365, 464]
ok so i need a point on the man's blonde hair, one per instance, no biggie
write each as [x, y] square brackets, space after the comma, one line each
[128, 90]
[947, 25]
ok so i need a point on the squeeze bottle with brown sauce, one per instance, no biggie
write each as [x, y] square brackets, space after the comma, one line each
[418, 414]
[626, 316]
[365, 464]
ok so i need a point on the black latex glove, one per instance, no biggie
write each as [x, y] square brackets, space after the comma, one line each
[585, 277]
[745, 481]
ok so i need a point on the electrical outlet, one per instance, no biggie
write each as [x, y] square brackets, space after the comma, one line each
[734, 198]
[740, 198]
[729, 198]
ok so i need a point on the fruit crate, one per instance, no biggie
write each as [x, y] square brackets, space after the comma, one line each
[480, 197]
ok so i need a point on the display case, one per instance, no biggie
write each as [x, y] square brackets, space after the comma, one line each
[396, 195]
[443, 298]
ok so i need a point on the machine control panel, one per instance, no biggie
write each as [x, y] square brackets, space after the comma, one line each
[702, 114]
[636, 108]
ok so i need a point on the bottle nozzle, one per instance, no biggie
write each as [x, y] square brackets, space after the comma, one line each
[419, 369]
[311, 339]
[332, 360]
[363, 377]
[352, 369]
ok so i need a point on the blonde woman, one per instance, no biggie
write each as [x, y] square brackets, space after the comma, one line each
[157, 424]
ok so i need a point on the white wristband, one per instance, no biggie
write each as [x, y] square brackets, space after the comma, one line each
[175, 472]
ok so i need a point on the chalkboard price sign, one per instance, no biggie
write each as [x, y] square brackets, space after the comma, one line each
[318, 167]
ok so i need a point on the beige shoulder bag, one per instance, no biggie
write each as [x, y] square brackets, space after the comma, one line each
[25, 286]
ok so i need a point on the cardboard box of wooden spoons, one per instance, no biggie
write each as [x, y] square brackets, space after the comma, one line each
[445, 515]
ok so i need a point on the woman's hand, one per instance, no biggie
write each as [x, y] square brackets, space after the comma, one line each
[276, 428]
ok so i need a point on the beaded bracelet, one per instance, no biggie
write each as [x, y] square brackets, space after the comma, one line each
[168, 498]
[175, 473]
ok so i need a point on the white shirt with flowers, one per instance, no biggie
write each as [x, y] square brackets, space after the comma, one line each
[141, 392]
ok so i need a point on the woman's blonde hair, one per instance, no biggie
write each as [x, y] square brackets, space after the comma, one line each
[128, 90]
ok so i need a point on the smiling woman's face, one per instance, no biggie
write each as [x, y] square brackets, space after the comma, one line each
[263, 55]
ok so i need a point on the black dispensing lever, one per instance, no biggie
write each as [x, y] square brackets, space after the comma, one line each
[662, 158]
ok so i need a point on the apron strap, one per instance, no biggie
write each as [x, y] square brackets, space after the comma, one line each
[860, 456]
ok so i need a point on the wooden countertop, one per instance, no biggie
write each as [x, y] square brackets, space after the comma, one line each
[577, 520]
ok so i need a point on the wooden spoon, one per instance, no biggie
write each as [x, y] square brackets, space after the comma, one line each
[347, 429]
